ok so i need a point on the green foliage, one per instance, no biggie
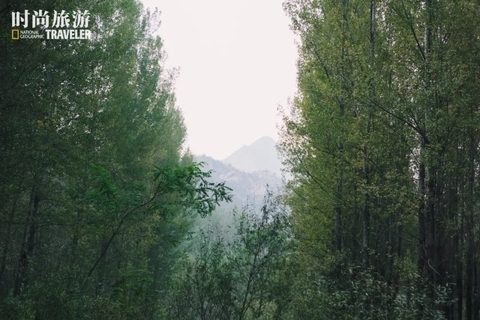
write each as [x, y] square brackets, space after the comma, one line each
[96, 192]
[379, 200]
[193, 187]
[240, 279]
[97, 196]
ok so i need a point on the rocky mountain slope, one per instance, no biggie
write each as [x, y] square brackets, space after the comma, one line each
[258, 156]
[248, 187]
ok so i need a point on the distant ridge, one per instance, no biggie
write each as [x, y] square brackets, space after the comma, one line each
[248, 188]
[260, 155]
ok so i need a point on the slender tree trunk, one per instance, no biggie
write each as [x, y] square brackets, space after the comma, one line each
[3, 263]
[476, 304]
[366, 166]
[469, 277]
[338, 218]
[28, 243]
[366, 227]
[421, 218]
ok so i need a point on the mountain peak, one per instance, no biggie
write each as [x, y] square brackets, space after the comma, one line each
[258, 156]
[263, 142]
[248, 187]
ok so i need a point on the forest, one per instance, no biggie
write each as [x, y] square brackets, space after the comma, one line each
[105, 214]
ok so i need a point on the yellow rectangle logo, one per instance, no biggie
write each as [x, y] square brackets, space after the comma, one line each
[15, 34]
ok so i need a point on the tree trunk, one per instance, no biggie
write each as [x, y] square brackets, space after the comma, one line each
[28, 244]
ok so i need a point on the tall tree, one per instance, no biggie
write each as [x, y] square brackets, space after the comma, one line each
[96, 190]
[375, 137]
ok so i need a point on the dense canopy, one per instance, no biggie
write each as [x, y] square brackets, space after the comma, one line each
[102, 207]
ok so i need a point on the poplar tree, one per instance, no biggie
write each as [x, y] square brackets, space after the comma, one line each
[96, 190]
[381, 200]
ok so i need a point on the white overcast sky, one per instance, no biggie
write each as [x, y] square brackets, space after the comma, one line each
[237, 61]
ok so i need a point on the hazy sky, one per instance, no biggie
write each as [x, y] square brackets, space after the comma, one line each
[237, 64]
